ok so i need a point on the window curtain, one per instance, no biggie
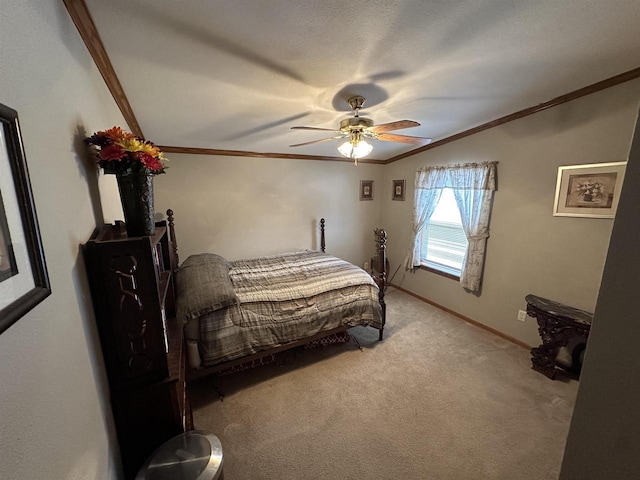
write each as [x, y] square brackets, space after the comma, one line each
[428, 184]
[473, 185]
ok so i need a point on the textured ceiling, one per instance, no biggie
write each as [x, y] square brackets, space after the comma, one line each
[236, 75]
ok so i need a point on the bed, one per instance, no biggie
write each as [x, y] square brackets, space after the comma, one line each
[240, 311]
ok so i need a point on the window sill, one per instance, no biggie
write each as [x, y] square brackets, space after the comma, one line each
[439, 272]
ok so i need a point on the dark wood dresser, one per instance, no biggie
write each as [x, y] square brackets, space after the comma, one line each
[142, 344]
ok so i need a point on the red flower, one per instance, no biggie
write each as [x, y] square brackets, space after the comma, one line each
[112, 152]
[152, 163]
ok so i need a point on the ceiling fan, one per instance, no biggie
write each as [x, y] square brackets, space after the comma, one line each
[358, 128]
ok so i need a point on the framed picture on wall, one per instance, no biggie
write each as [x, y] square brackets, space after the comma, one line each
[23, 274]
[398, 190]
[591, 190]
[366, 189]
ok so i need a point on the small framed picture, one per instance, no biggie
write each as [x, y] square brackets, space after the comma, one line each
[366, 189]
[398, 190]
[591, 190]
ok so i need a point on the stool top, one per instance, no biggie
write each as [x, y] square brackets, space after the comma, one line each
[559, 309]
[195, 455]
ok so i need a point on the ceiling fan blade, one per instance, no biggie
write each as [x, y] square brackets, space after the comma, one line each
[385, 127]
[317, 141]
[315, 128]
[390, 137]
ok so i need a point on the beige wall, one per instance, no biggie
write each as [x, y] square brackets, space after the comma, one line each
[242, 207]
[55, 420]
[529, 251]
[605, 428]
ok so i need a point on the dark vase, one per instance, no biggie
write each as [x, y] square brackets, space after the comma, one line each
[136, 195]
[588, 197]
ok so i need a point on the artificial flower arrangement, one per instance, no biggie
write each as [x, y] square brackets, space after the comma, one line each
[590, 190]
[121, 152]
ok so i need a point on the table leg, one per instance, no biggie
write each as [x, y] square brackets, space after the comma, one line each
[554, 335]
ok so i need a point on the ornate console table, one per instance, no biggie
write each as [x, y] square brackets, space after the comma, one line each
[557, 325]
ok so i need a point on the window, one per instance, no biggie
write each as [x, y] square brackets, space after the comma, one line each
[444, 243]
[436, 220]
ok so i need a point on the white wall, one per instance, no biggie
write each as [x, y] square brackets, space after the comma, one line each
[55, 420]
[241, 207]
[529, 250]
[605, 428]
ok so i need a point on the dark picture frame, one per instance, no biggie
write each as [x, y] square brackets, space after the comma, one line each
[366, 189]
[8, 266]
[398, 190]
[590, 190]
[24, 281]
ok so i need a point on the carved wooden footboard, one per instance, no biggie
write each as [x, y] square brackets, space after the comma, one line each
[381, 272]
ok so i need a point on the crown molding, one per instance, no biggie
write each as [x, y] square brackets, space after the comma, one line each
[81, 17]
[593, 88]
[243, 153]
[84, 23]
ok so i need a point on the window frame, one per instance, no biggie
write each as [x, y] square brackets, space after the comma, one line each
[428, 268]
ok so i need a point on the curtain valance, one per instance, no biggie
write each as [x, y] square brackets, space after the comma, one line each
[464, 176]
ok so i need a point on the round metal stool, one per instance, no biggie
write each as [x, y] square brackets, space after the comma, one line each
[195, 455]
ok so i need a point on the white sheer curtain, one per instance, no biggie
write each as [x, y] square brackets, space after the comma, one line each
[428, 185]
[473, 185]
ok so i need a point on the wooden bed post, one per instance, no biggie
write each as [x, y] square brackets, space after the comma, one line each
[381, 278]
[172, 238]
[322, 244]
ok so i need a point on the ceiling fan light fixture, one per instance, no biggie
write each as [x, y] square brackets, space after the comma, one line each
[355, 149]
[356, 128]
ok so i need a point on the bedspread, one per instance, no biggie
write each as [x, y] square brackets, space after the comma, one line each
[285, 298]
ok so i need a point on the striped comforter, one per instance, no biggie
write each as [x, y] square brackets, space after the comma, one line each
[286, 298]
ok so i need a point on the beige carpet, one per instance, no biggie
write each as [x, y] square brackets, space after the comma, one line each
[437, 399]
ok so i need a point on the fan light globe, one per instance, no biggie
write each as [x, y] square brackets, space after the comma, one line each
[360, 150]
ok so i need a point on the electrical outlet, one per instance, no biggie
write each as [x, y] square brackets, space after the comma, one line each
[522, 315]
[366, 266]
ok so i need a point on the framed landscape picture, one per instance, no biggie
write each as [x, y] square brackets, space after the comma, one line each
[23, 274]
[591, 190]
[366, 189]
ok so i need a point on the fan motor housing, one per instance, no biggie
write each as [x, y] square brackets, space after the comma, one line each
[355, 122]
